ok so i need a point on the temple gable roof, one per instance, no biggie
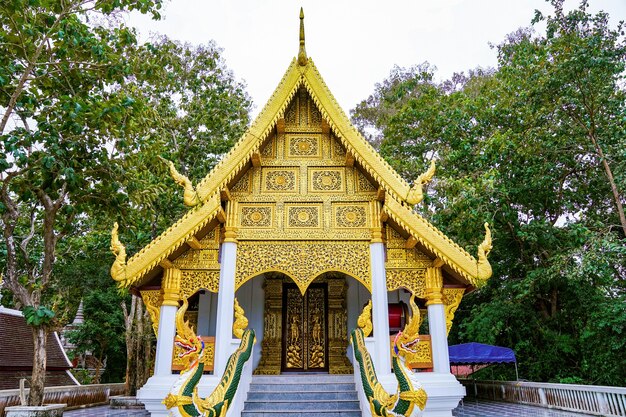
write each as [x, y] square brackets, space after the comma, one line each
[210, 190]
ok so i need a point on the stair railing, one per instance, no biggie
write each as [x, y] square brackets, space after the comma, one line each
[410, 398]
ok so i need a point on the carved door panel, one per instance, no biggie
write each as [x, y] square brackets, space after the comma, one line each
[305, 346]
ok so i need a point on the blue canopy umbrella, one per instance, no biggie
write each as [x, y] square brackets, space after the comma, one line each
[478, 353]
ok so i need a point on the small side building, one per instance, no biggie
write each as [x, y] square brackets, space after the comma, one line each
[16, 353]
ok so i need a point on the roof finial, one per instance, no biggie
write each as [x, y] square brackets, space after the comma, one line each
[302, 59]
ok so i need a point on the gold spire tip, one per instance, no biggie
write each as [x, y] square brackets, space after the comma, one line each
[302, 58]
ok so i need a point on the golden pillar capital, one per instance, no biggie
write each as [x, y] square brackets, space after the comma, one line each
[434, 286]
[230, 234]
[377, 235]
[171, 286]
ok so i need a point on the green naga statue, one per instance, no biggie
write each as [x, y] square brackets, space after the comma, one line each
[410, 398]
[183, 399]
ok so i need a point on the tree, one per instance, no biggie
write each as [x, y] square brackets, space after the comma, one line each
[197, 110]
[61, 107]
[535, 147]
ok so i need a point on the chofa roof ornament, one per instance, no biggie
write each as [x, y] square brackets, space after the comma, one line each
[302, 58]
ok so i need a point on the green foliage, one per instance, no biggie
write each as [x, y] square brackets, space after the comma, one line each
[38, 316]
[63, 106]
[535, 147]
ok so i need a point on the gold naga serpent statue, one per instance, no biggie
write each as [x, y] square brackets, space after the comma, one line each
[410, 398]
[183, 399]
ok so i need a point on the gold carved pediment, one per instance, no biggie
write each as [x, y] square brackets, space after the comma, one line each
[303, 261]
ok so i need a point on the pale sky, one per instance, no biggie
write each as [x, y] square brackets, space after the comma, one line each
[354, 44]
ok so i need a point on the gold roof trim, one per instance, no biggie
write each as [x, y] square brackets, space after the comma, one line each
[175, 236]
[350, 137]
[239, 155]
[397, 189]
[476, 272]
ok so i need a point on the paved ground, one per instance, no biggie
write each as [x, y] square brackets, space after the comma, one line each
[466, 409]
[486, 408]
[105, 411]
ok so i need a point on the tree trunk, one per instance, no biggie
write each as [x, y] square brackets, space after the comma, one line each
[38, 381]
[139, 335]
[129, 318]
[609, 175]
[148, 353]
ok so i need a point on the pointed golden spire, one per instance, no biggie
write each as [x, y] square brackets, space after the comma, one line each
[302, 58]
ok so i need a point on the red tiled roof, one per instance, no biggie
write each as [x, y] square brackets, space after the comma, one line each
[16, 345]
[11, 379]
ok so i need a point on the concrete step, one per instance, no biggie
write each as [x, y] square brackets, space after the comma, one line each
[310, 405]
[300, 414]
[294, 395]
[302, 396]
[313, 387]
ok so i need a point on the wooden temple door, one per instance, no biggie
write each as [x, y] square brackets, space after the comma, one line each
[305, 328]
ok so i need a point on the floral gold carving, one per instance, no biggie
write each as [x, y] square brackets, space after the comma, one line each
[153, 299]
[243, 185]
[337, 148]
[280, 180]
[198, 259]
[303, 146]
[327, 180]
[256, 216]
[363, 185]
[350, 215]
[413, 280]
[269, 149]
[451, 299]
[303, 261]
[303, 216]
[194, 280]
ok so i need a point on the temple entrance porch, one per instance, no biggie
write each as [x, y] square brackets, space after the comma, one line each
[302, 332]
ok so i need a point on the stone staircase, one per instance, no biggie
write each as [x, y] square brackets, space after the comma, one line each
[302, 395]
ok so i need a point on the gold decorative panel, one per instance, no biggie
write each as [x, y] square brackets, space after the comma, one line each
[303, 216]
[212, 239]
[394, 238]
[243, 185]
[256, 216]
[304, 146]
[413, 280]
[277, 180]
[302, 113]
[201, 258]
[350, 215]
[363, 185]
[337, 148]
[194, 280]
[269, 149]
[451, 299]
[303, 261]
[327, 180]
[153, 300]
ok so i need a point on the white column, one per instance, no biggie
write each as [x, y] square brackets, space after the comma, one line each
[204, 313]
[437, 320]
[167, 322]
[225, 306]
[380, 314]
[165, 341]
[438, 338]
